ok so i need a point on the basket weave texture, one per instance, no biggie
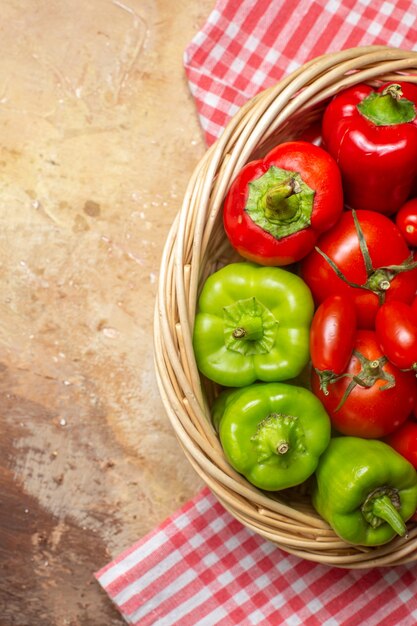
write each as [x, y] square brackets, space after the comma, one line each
[197, 246]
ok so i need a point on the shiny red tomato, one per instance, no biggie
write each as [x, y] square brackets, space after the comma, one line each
[377, 406]
[404, 441]
[385, 275]
[332, 336]
[406, 220]
[396, 329]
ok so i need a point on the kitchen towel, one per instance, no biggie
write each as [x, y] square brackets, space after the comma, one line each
[201, 566]
[248, 45]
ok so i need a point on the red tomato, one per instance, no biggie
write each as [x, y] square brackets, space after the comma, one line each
[332, 336]
[372, 411]
[386, 247]
[404, 441]
[396, 328]
[414, 305]
[406, 220]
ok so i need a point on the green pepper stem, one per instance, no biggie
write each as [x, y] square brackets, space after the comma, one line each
[394, 90]
[383, 508]
[278, 435]
[278, 202]
[388, 107]
[283, 447]
[250, 328]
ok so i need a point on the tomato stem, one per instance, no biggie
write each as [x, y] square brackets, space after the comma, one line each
[370, 372]
[377, 280]
[327, 377]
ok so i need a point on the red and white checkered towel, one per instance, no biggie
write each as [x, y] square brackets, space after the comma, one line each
[201, 567]
[248, 45]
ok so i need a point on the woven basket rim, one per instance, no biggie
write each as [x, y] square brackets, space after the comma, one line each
[196, 246]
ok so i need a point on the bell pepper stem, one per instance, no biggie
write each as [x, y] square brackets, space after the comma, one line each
[388, 107]
[250, 328]
[276, 202]
[383, 508]
[280, 202]
[278, 434]
[283, 447]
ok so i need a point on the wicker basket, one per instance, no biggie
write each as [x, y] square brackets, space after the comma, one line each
[196, 247]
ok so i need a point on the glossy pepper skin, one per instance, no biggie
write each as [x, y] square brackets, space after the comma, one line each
[364, 490]
[278, 206]
[252, 323]
[272, 433]
[372, 135]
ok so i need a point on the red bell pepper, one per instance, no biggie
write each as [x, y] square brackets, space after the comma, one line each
[373, 137]
[277, 207]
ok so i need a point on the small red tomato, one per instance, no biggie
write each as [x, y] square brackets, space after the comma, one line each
[406, 220]
[404, 441]
[373, 398]
[396, 329]
[332, 337]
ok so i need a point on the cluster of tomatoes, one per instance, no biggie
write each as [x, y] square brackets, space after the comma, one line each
[363, 338]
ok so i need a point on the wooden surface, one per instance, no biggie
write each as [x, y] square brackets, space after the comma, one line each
[99, 136]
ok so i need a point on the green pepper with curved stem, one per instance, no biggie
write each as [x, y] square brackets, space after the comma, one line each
[272, 433]
[252, 323]
[364, 490]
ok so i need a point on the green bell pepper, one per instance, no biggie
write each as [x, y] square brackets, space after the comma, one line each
[364, 490]
[252, 323]
[272, 433]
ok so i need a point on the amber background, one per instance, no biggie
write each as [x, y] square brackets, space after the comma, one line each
[98, 137]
